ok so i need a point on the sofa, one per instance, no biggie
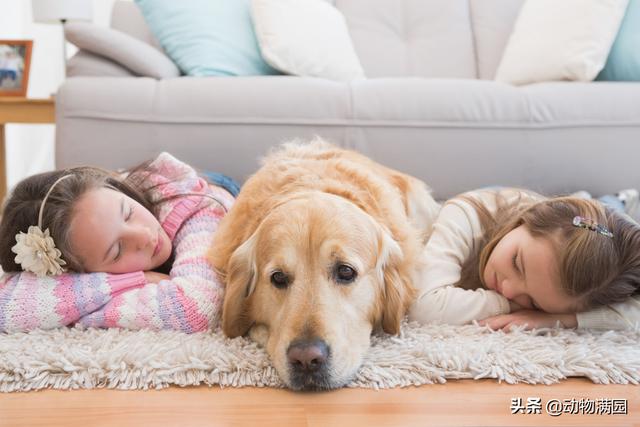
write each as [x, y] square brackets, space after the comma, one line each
[429, 107]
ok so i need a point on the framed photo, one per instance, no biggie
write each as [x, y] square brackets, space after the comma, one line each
[15, 59]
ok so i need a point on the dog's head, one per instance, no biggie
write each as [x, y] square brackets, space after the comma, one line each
[313, 280]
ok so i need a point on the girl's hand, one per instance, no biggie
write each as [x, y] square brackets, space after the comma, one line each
[531, 318]
[155, 277]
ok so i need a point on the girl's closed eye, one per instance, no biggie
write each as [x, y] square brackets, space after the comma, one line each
[515, 263]
[127, 218]
[119, 252]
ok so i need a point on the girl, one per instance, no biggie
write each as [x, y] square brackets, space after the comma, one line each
[91, 247]
[509, 257]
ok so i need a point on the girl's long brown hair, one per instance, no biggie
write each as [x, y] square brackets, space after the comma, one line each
[596, 268]
[23, 204]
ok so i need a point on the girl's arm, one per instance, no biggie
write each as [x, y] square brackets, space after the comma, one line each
[456, 306]
[190, 301]
[30, 302]
[624, 315]
[439, 300]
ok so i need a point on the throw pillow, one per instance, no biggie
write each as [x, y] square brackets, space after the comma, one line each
[306, 38]
[624, 59]
[131, 53]
[206, 37]
[560, 40]
[85, 63]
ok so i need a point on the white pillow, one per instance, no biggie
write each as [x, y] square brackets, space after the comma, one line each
[560, 40]
[305, 38]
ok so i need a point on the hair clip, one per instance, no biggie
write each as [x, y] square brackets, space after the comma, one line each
[589, 224]
[35, 250]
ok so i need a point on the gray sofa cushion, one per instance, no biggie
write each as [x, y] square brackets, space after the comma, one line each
[85, 63]
[127, 17]
[481, 104]
[125, 50]
[438, 102]
[426, 38]
[492, 22]
[402, 102]
[263, 99]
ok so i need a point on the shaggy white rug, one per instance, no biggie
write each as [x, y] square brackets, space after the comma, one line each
[114, 358]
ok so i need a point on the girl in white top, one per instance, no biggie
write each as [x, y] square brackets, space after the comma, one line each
[508, 257]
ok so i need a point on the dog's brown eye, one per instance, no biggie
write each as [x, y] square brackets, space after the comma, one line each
[279, 279]
[345, 274]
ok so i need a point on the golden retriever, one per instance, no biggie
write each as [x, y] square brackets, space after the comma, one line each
[318, 251]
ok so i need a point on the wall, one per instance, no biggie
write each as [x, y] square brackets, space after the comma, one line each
[30, 148]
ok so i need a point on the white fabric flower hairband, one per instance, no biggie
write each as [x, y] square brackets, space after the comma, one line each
[36, 251]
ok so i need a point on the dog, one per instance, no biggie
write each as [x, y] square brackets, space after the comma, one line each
[318, 251]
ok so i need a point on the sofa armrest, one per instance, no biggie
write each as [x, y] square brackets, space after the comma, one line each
[135, 55]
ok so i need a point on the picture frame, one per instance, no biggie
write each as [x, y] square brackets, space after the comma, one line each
[15, 62]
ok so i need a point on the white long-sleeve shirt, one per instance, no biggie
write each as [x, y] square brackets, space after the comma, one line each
[455, 234]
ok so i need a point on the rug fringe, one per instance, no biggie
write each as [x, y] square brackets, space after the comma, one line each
[75, 358]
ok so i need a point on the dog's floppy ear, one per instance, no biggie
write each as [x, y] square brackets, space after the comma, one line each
[397, 290]
[240, 283]
[234, 229]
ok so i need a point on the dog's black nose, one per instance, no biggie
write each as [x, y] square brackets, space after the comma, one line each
[308, 356]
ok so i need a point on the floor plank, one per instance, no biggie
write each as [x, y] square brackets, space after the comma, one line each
[460, 403]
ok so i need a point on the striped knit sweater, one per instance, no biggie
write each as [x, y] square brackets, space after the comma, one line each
[190, 301]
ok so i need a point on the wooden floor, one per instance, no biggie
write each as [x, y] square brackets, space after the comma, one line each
[460, 403]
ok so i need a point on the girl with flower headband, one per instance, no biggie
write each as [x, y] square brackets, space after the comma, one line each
[95, 248]
[509, 257]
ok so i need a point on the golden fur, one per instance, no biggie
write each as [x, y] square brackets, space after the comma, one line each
[311, 208]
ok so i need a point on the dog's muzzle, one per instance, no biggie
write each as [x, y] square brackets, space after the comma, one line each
[309, 364]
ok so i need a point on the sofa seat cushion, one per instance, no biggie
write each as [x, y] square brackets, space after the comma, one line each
[260, 99]
[434, 102]
[403, 102]
[563, 104]
[478, 103]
